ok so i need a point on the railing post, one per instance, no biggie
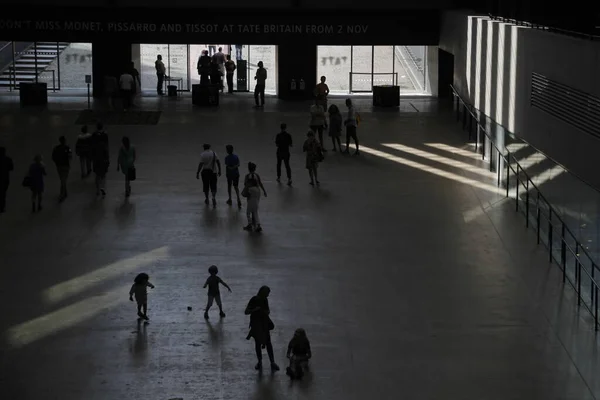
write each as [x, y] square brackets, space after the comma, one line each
[477, 138]
[464, 116]
[58, 63]
[563, 251]
[491, 157]
[550, 234]
[527, 204]
[577, 270]
[470, 126]
[14, 70]
[53, 82]
[538, 217]
[596, 307]
[592, 283]
[507, 174]
[499, 170]
[579, 284]
[517, 189]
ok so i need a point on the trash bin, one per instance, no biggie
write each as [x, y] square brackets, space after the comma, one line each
[172, 91]
[33, 94]
[386, 96]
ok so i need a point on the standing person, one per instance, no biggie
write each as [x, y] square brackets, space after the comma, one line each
[140, 286]
[215, 75]
[127, 86]
[219, 59]
[101, 158]
[232, 172]
[230, 69]
[37, 172]
[83, 149]
[6, 167]
[318, 121]
[312, 148]
[252, 187]
[137, 83]
[351, 125]
[160, 74]
[259, 89]
[214, 294]
[126, 163]
[335, 126]
[203, 67]
[208, 162]
[283, 141]
[61, 155]
[260, 326]
[321, 93]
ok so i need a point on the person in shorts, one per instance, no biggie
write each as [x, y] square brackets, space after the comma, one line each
[209, 163]
[214, 294]
[232, 172]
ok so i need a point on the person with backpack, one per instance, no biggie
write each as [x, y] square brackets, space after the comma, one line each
[351, 123]
[83, 149]
[208, 163]
[61, 155]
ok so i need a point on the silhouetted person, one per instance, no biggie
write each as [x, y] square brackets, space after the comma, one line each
[127, 86]
[101, 158]
[232, 172]
[321, 93]
[318, 121]
[252, 189]
[36, 174]
[283, 141]
[229, 69]
[160, 74]
[139, 289]
[214, 294]
[261, 325]
[203, 67]
[83, 149]
[209, 163]
[351, 125]
[126, 163]
[61, 155]
[299, 353]
[137, 83]
[6, 167]
[335, 126]
[215, 76]
[259, 89]
[312, 148]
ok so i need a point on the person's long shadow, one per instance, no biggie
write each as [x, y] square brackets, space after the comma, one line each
[265, 386]
[139, 346]
[210, 216]
[125, 214]
[215, 333]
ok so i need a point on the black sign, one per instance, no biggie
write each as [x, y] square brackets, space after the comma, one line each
[163, 26]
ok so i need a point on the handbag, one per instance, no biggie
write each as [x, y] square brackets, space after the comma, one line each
[27, 181]
[131, 174]
[245, 192]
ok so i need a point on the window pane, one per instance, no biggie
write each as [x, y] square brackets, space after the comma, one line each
[177, 65]
[75, 63]
[362, 67]
[334, 63]
[383, 65]
[148, 53]
[266, 54]
[195, 53]
[410, 65]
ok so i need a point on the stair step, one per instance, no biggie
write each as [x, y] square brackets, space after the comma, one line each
[18, 77]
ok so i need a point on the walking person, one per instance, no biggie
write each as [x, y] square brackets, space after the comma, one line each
[261, 326]
[126, 163]
[100, 158]
[83, 149]
[252, 188]
[321, 93]
[160, 74]
[35, 178]
[259, 89]
[351, 123]
[61, 155]
[335, 126]
[137, 84]
[314, 156]
[318, 121]
[6, 167]
[232, 172]
[208, 163]
[139, 289]
[127, 86]
[283, 141]
[230, 69]
[214, 294]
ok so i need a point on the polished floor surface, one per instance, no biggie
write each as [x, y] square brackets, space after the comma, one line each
[412, 276]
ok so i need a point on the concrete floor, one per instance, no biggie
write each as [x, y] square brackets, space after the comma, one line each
[411, 275]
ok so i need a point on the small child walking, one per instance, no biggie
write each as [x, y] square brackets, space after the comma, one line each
[214, 294]
[140, 286]
[299, 353]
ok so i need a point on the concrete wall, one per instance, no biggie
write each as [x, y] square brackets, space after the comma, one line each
[493, 66]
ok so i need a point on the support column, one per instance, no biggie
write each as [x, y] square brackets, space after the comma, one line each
[109, 58]
[297, 61]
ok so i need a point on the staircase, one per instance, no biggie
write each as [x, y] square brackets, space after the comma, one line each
[25, 64]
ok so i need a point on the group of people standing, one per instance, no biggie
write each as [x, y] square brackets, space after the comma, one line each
[93, 152]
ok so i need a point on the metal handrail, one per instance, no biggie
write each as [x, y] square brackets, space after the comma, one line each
[544, 27]
[528, 184]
